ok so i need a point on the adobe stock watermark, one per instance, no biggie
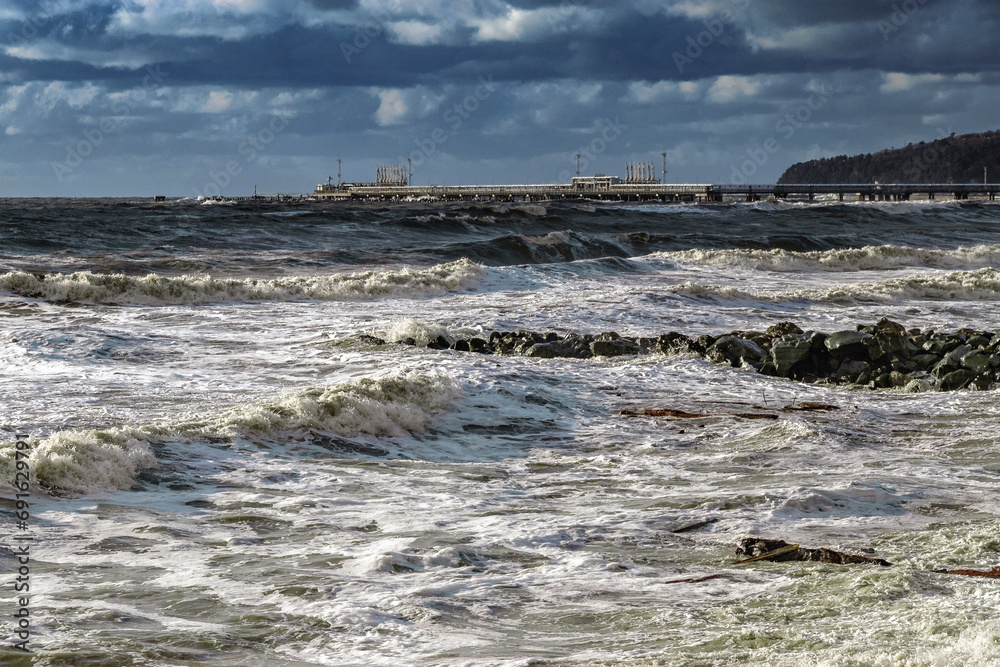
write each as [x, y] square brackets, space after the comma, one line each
[609, 133]
[92, 138]
[30, 29]
[714, 29]
[786, 127]
[376, 26]
[929, 155]
[901, 15]
[250, 150]
[454, 117]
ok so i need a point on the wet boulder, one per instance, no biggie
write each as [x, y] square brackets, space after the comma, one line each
[674, 343]
[734, 351]
[789, 354]
[848, 345]
[976, 361]
[614, 348]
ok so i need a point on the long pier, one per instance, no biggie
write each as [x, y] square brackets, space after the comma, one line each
[604, 190]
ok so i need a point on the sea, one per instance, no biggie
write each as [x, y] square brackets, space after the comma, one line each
[235, 458]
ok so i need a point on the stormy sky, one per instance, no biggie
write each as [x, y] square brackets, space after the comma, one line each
[187, 97]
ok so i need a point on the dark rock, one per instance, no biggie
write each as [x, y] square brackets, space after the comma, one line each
[755, 547]
[674, 343]
[854, 371]
[983, 382]
[848, 344]
[978, 341]
[649, 344]
[925, 361]
[410, 341]
[543, 351]
[734, 351]
[786, 355]
[783, 328]
[370, 340]
[479, 345]
[440, 343]
[956, 380]
[461, 346]
[614, 348]
[898, 380]
[888, 327]
[976, 361]
[702, 343]
[883, 381]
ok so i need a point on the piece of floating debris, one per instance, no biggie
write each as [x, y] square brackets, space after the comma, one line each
[989, 574]
[759, 549]
[771, 555]
[675, 414]
[696, 580]
[680, 414]
[810, 407]
[690, 528]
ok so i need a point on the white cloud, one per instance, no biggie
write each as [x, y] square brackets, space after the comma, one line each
[45, 49]
[398, 106]
[418, 33]
[392, 110]
[644, 92]
[895, 82]
[699, 9]
[729, 88]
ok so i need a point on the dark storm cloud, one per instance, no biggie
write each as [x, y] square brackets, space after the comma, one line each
[702, 79]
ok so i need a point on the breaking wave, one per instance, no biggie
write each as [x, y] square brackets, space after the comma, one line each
[979, 285]
[85, 461]
[155, 289]
[851, 259]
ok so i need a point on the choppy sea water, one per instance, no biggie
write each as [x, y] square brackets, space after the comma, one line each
[226, 473]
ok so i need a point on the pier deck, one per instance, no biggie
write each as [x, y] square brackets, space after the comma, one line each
[658, 192]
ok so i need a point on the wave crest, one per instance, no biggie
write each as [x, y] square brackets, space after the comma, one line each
[84, 461]
[980, 285]
[155, 289]
[850, 259]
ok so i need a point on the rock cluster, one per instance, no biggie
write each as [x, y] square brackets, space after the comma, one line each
[880, 356]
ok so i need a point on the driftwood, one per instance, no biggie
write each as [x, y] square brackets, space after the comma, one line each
[695, 580]
[690, 528]
[680, 414]
[989, 574]
[757, 549]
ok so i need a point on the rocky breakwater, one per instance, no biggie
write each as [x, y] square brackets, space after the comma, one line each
[884, 355]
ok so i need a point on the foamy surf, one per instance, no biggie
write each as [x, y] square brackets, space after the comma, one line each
[869, 258]
[979, 285]
[154, 289]
[74, 462]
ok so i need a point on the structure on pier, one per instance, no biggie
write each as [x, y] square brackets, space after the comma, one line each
[640, 173]
[640, 184]
[392, 175]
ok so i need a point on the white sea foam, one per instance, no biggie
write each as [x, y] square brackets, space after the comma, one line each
[155, 289]
[852, 259]
[82, 461]
[401, 329]
[979, 285]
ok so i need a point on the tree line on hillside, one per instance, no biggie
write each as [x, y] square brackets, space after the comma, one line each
[954, 159]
